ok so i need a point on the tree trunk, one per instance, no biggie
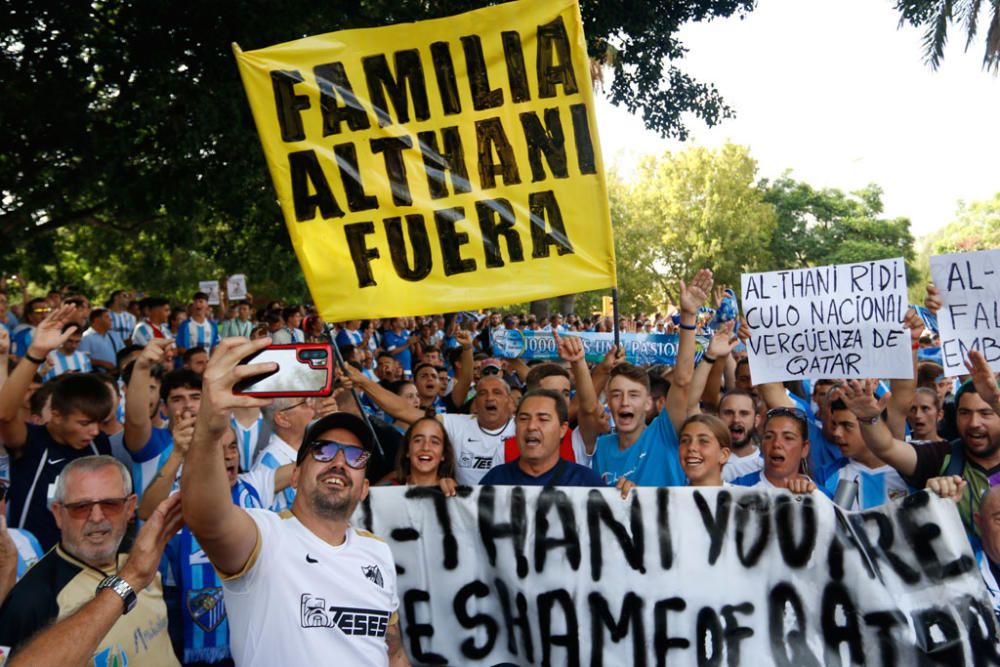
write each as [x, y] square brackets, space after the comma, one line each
[540, 309]
[566, 304]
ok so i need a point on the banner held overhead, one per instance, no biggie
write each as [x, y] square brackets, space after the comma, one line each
[421, 166]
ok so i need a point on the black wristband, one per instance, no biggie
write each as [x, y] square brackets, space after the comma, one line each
[708, 359]
[688, 327]
[34, 360]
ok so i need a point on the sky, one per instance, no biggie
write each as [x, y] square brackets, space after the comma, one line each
[836, 92]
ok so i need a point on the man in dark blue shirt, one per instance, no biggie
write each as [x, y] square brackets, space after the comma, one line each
[541, 421]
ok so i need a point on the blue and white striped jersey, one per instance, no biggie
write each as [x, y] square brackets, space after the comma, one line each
[28, 549]
[151, 458]
[276, 454]
[246, 440]
[194, 334]
[876, 486]
[20, 339]
[78, 362]
[143, 333]
[122, 323]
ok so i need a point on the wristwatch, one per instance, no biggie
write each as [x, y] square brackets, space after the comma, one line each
[120, 586]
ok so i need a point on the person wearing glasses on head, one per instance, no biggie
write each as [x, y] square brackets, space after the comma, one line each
[303, 583]
[785, 444]
[92, 505]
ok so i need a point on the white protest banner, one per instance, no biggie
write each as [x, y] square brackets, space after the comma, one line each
[211, 288]
[970, 316]
[679, 576]
[236, 287]
[840, 321]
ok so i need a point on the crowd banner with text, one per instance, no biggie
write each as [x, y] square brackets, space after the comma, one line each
[680, 576]
[969, 318]
[438, 166]
[842, 321]
[642, 349]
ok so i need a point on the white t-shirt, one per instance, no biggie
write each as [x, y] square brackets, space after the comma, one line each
[299, 598]
[737, 466]
[580, 449]
[477, 450]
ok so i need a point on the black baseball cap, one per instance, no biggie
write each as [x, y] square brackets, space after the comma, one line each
[345, 420]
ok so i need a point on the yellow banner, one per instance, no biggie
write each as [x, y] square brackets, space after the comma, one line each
[438, 166]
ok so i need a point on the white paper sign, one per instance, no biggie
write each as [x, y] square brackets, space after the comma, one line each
[211, 288]
[676, 576]
[842, 321]
[970, 317]
[236, 287]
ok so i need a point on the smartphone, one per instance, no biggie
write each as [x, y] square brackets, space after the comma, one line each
[304, 369]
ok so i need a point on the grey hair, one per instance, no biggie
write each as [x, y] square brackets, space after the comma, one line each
[277, 405]
[90, 464]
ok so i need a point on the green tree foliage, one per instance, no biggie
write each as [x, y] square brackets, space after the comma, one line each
[827, 226]
[935, 17]
[128, 143]
[706, 211]
[976, 227]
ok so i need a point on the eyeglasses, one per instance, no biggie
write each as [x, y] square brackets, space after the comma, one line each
[292, 407]
[794, 413]
[490, 370]
[110, 507]
[326, 450]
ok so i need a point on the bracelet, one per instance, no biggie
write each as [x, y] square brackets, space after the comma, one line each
[708, 359]
[34, 360]
[688, 327]
[916, 345]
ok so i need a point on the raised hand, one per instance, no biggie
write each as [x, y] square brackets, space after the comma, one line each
[182, 430]
[144, 558]
[224, 370]
[48, 334]
[154, 353]
[570, 348]
[914, 323]
[859, 397]
[932, 301]
[614, 357]
[464, 338]
[723, 342]
[983, 379]
[693, 295]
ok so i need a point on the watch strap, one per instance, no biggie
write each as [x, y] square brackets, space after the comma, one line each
[122, 588]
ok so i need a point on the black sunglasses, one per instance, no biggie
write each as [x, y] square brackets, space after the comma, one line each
[325, 451]
[794, 413]
[490, 370]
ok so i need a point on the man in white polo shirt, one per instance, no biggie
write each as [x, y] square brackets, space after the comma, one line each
[303, 584]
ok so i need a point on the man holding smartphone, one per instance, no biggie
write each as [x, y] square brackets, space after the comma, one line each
[305, 583]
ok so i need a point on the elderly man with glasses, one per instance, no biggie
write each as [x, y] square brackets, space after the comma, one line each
[92, 505]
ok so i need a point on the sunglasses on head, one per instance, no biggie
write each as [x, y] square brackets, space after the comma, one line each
[110, 507]
[325, 451]
[794, 413]
[490, 370]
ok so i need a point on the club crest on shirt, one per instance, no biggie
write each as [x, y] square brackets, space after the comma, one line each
[207, 608]
[373, 574]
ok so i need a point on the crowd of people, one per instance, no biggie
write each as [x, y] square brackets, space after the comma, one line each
[124, 415]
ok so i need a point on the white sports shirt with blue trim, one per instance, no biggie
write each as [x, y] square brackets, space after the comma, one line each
[28, 549]
[143, 333]
[151, 458]
[246, 440]
[876, 486]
